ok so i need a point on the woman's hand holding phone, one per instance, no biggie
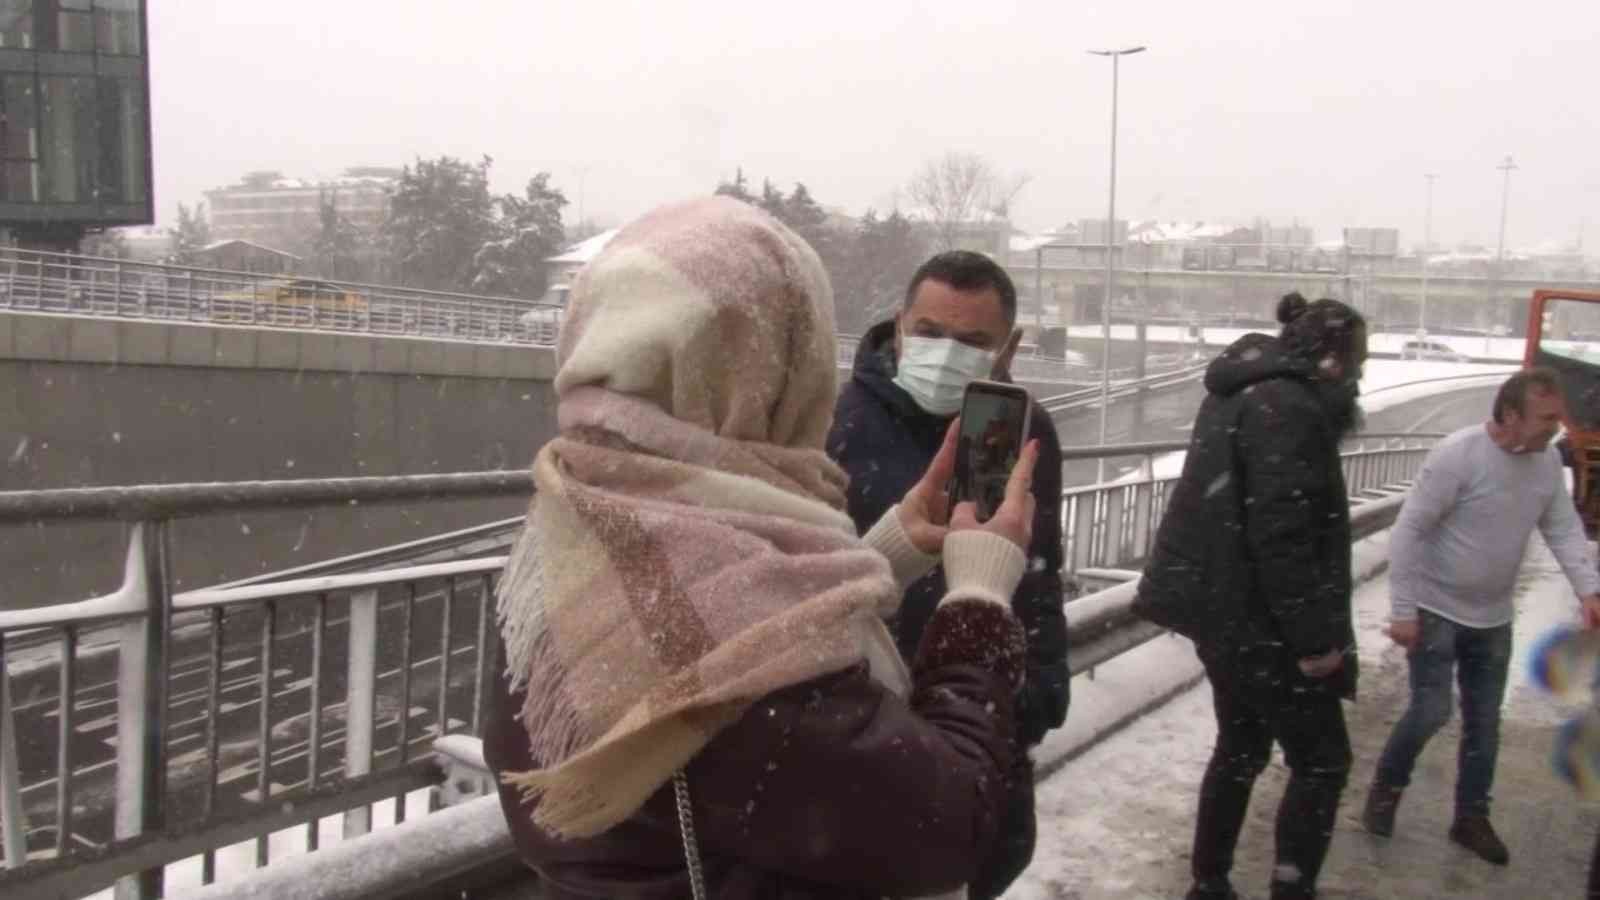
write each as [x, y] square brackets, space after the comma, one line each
[1014, 519]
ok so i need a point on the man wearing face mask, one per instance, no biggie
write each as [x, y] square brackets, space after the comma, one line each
[1453, 564]
[958, 324]
[1252, 562]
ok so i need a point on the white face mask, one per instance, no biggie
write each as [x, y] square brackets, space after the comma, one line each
[936, 372]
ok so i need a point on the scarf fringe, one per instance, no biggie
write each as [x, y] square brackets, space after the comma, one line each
[588, 793]
[564, 730]
[520, 601]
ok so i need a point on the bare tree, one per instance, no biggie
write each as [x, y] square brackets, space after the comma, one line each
[958, 189]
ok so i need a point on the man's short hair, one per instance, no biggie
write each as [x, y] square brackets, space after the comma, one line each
[967, 271]
[1513, 395]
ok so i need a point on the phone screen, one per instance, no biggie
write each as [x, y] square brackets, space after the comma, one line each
[994, 426]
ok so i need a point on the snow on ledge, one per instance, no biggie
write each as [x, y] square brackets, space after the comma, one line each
[407, 856]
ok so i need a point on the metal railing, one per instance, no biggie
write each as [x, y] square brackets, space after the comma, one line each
[251, 713]
[1102, 625]
[39, 281]
[35, 281]
[237, 713]
[1125, 387]
[1109, 529]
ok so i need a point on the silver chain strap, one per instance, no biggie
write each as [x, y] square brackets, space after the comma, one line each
[691, 847]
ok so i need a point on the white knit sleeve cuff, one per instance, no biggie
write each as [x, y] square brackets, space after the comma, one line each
[906, 562]
[981, 565]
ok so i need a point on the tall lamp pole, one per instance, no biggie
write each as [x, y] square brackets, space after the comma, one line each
[1111, 223]
[1427, 248]
[1506, 167]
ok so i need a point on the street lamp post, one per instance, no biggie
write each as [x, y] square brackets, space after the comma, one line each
[1111, 223]
[1506, 167]
[1427, 247]
[1038, 296]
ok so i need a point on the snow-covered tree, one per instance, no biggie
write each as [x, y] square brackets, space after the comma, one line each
[191, 234]
[440, 217]
[337, 248]
[736, 188]
[527, 232]
[876, 263]
[110, 243]
[773, 201]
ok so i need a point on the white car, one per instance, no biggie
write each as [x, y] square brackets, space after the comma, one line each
[1433, 350]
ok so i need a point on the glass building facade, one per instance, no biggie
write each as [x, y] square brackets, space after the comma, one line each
[74, 115]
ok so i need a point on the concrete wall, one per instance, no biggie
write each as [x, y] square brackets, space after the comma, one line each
[87, 402]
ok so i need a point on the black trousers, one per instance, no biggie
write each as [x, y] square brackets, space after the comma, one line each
[1594, 872]
[1260, 699]
[1013, 845]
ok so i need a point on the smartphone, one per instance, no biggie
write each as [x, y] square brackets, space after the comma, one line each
[994, 429]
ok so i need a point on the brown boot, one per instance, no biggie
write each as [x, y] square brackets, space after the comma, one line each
[1476, 834]
[1378, 816]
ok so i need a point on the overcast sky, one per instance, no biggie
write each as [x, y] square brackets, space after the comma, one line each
[1325, 112]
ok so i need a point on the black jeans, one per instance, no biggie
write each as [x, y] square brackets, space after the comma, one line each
[1594, 872]
[1261, 697]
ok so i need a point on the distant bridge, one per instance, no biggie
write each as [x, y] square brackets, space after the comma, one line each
[1390, 295]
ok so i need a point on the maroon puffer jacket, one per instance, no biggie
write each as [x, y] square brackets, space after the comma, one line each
[833, 789]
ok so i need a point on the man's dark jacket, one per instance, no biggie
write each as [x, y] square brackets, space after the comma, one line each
[885, 442]
[1253, 554]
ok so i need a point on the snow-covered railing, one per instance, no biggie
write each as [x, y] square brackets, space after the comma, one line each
[1102, 625]
[35, 281]
[473, 839]
[442, 855]
[152, 734]
[1112, 526]
[240, 719]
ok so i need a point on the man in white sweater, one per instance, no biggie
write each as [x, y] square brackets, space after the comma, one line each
[1454, 556]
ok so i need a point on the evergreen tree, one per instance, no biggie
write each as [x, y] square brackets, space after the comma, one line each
[110, 244]
[868, 262]
[736, 188]
[336, 250]
[527, 232]
[875, 267]
[807, 218]
[440, 218]
[192, 234]
[802, 213]
[772, 201]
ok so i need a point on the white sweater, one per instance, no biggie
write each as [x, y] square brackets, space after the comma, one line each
[1461, 536]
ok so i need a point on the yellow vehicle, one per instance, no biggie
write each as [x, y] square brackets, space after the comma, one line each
[298, 301]
[1564, 335]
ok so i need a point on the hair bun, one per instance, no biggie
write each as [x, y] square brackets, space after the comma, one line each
[1291, 307]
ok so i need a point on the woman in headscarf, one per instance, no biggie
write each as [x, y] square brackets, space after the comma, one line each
[698, 696]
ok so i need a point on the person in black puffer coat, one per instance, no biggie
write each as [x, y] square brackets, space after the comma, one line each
[1252, 562]
[884, 437]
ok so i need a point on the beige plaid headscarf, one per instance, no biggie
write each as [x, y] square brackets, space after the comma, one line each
[686, 553]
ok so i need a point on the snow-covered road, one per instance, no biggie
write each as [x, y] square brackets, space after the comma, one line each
[1115, 822]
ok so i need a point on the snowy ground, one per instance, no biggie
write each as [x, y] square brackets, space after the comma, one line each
[1115, 823]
